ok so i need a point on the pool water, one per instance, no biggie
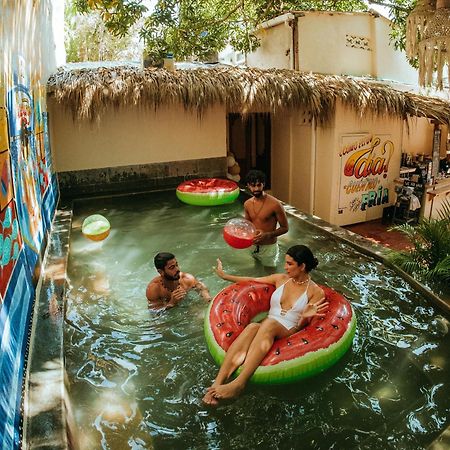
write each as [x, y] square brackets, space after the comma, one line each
[137, 376]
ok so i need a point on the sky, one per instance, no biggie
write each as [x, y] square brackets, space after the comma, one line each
[378, 8]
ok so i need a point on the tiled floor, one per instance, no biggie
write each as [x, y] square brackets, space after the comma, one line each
[378, 232]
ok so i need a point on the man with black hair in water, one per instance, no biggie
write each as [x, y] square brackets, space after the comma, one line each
[268, 216]
[171, 285]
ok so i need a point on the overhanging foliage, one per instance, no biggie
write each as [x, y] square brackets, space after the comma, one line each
[199, 27]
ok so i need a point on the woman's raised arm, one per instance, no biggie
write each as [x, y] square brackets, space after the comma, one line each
[270, 279]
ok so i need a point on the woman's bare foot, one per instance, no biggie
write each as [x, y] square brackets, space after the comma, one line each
[224, 391]
[209, 399]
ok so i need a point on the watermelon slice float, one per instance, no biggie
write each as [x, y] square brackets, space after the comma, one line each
[308, 352]
[208, 191]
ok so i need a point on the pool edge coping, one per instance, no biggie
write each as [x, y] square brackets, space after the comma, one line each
[49, 313]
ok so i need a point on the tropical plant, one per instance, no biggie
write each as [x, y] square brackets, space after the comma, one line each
[197, 28]
[429, 259]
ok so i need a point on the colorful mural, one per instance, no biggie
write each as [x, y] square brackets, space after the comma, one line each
[364, 179]
[28, 197]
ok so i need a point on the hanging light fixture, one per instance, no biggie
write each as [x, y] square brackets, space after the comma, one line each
[434, 47]
[416, 24]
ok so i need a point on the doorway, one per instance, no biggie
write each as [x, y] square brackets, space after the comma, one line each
[249, 139]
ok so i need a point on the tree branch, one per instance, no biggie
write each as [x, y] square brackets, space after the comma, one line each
[390, 5]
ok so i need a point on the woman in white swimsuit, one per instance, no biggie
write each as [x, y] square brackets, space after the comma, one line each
[295, 301]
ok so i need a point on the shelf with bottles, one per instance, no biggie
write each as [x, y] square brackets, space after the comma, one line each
[409, 160]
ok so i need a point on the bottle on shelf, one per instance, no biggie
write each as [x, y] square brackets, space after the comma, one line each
[169, 62]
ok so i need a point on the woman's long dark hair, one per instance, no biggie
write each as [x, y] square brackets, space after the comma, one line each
[302, 254]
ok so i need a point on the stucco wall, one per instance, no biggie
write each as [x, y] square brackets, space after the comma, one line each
[353, 135]
[281, 156]
[326, 177]
[131, 136]
[313, 170]
[323, 46]
[308, 167]
[29, 191]
[335, 43]
[419, 138]
[390, 64]
[350, 44]
[275, 49]
[293, 159]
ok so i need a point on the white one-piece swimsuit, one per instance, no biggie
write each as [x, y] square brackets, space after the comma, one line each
[288, 318]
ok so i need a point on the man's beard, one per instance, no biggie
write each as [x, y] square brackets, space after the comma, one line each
[257, 194]
[172, 278]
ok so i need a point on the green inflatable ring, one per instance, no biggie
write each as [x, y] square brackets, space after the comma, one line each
[308, 352]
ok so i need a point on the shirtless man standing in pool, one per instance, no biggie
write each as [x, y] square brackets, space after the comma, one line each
[268, 216]
[171, 285]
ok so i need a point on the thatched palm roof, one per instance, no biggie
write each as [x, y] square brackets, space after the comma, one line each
[88, 92]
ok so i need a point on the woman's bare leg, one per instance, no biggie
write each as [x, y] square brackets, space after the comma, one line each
[234, 358]
[260, 345]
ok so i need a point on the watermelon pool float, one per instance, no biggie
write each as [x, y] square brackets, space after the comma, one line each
[208, 191]
[308, 352]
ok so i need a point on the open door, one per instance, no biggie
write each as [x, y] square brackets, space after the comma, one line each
[249, 139]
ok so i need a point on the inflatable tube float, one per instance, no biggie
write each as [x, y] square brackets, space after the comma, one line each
[208, 192]
[308, 352]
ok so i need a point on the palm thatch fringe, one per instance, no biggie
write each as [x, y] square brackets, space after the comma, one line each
[88, 92]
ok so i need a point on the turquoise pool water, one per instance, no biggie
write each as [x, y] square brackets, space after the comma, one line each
[137, 376]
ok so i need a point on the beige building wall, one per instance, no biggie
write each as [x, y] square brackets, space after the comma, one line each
[131, 136]
[275, 49]
[419, 138]
[389, 63]
[326, 175]
[350, 44]
[388, 130]
[323, 46]
[302, 163]
[293, 159]
[333, 43]
[281, 156]
[308, 164]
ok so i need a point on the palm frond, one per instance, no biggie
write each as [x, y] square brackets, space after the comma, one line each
[441, 271]
[429, 257]
[444, 212]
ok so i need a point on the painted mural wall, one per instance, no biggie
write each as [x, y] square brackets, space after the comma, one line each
[28, 193]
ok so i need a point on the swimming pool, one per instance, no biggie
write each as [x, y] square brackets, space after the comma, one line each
[137, 376]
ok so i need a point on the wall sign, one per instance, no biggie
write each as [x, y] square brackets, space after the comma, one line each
[364, 172]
